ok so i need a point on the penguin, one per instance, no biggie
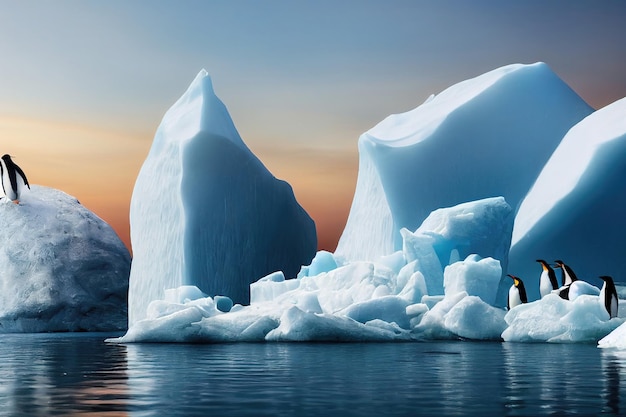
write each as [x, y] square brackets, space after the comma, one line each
[608, 296]
[517, 293]
[567, 276]
[13, 179]
[547, 281]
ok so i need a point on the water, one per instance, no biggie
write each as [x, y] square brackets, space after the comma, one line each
[47, 375]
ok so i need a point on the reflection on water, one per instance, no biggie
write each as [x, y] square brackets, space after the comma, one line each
[613, 366]
[45, 375]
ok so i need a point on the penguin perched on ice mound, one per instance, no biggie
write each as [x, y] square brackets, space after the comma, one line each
[608, 296]
[572, 286]
[13, 179]
[517, 293]
[547, 281]
[568, 277]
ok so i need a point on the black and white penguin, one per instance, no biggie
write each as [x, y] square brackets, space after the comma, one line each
[567, 277]
[608, 295]
[13, 179]
[547, 281]
[517, 293]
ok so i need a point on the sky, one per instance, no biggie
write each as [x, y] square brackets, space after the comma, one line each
[84, 84]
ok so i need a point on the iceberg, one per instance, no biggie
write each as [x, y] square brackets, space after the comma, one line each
[206, 212]
[484, 137]
[63, 268]
[574, 210]
[429, 234]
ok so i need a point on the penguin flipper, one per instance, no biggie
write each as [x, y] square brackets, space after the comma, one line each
[19, 171]
[2, 176]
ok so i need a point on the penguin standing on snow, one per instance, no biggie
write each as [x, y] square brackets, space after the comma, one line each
[13, 179]
[568, 277]
[608, 295]
[547, 281]
[517, 293]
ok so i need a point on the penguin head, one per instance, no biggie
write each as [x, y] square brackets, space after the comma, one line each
[516, 280]
[543, 263]
[606, 278]
[558, 263]
[6, 158]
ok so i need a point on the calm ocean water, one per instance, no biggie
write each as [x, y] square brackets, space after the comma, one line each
[46, 375]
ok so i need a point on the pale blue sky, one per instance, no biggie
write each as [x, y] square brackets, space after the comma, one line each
[323, 62]
[302, 80]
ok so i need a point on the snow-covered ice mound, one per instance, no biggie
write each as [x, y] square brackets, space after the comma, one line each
[553, 319]
[575, 209]
[63, 268]
[484, 137]
[206, 212]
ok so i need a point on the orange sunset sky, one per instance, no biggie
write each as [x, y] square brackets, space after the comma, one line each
[84, 84]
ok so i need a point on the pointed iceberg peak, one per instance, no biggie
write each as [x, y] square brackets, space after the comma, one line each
[199, 109]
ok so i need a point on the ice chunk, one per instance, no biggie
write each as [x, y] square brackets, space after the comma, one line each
[475, 276]
[206, 212]
[484, 137]
[270, 287]
[461, 316]
[63, 268]
[419, 249]
[299, 326]
[481, 227]
[616, 339]
[574, 211]
[472, 318]
[415, 288]
[432, 325]
[391, 309]
[396, 261]
[324, 261]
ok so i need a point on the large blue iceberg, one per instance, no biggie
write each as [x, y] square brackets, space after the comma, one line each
[206, 212]
[484, 137]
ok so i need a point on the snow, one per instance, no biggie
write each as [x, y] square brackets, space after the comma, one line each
[484, 137]
[428, 240]
[63, 268]
[203, 202]
[574, 211]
